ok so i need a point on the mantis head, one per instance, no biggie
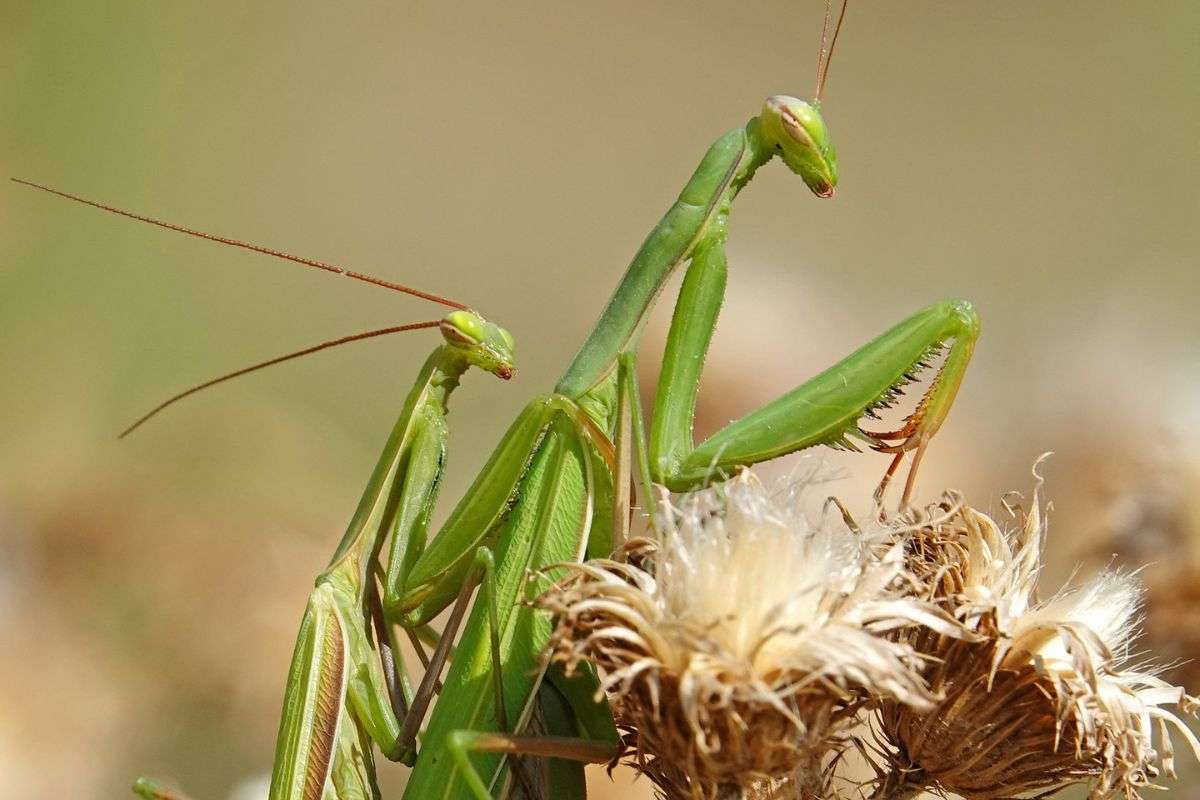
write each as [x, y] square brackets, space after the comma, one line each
[484, 344]
[798, 133]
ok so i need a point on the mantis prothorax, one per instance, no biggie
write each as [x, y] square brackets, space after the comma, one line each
[557, 486]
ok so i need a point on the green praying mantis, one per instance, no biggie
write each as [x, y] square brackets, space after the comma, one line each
[557, 487]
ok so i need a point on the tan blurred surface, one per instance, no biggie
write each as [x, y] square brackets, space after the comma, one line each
[1037, 158]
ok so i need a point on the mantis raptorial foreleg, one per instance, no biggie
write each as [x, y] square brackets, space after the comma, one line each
[826, 410]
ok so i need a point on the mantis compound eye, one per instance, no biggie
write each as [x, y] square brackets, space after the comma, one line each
[797, 131]
[463, 328]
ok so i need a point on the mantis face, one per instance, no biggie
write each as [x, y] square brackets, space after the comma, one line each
[797, 132]
[485, 345]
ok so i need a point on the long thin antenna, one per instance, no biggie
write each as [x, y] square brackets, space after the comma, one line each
[412, 326]
[824, 56]
[821, 49]
[334, 268]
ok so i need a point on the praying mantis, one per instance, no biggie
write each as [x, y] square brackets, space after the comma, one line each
[557, 488]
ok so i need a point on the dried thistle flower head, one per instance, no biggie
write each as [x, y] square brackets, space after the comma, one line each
[737, 645]
[1046, 697]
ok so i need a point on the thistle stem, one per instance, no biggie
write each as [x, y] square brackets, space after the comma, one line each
[900, 784]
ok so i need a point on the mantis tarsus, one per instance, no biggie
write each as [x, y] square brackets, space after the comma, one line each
[557, 487]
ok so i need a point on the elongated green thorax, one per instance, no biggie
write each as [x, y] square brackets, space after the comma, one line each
[787, 127]
[727, 165]
[417, 443]
[438, 378]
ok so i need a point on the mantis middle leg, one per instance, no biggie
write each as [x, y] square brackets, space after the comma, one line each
[560, 755]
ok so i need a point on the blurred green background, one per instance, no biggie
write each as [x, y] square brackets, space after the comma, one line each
[1037, 158]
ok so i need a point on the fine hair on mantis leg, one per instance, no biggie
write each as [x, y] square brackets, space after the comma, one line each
[557, 485]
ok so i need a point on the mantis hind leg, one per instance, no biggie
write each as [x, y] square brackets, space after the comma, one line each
[585, 751]
[960, 322]
[826, 410]
[485, 568]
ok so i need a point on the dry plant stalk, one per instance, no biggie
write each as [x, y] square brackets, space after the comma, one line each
[737, 648]
[1045, 697]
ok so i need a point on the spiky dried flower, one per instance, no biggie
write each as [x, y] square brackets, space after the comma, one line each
[737, 646]
[1046, 697]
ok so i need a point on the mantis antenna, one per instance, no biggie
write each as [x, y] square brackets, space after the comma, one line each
[824, 56]
[309, 262]
[412, 326]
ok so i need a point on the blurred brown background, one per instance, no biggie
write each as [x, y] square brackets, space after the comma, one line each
[1038, 158]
